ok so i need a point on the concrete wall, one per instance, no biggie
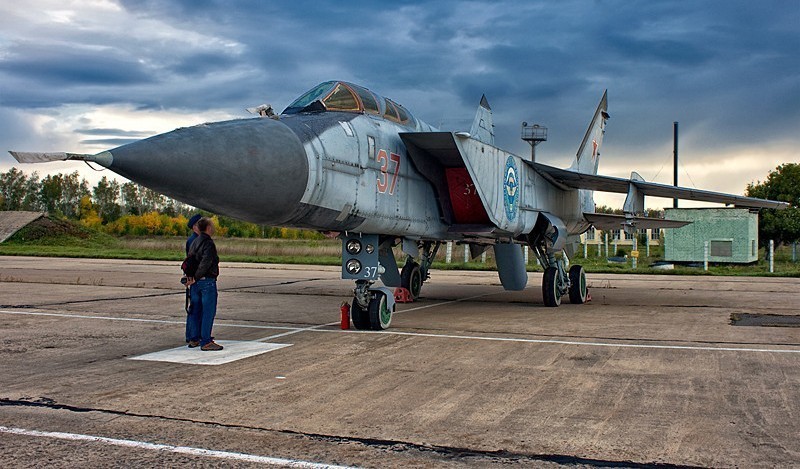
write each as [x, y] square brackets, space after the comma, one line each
[623, 240]
[732, 234]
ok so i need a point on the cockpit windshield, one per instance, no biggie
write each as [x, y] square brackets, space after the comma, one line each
[309, 97]
[347, 97]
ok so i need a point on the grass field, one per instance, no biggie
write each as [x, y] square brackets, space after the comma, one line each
[60, 239]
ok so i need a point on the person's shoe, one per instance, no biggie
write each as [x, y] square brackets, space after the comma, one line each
[211, 346]
[194, 343]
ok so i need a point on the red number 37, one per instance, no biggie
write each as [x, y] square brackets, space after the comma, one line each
[383, 179]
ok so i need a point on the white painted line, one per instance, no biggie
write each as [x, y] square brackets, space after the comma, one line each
[318, 328]
[155, 321]
[448, 302]
[172, 449]
[313, 328]
[233, 350]
[296, 331]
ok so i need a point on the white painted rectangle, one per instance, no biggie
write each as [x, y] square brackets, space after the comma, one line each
[233, 350]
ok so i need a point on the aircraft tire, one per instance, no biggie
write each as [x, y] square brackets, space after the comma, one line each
[577, 287]
[550, 287]
[359, 316]
[411, 279]
[379, 315]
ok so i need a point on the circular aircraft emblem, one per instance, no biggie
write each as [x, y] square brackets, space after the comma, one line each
[511, 189]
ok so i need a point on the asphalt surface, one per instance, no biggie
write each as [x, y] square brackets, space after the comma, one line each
[650, 373]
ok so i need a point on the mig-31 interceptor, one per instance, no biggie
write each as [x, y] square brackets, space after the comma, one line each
[344, 159]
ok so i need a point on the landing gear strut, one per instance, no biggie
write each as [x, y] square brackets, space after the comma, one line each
[414, 274]
[361, 253]
[557, 280]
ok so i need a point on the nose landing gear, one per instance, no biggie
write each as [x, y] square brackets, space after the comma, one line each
[372, 306]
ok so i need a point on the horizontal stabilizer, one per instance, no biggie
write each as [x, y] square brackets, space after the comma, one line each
[566, 179]
[608, 221]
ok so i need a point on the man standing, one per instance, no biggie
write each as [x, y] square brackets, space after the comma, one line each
[195, 232]
[204, 283]
[192, 316]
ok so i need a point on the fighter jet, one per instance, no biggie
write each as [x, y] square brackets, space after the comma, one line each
[343, 159]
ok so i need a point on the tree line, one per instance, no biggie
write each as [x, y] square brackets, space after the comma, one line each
[128, 208]
[118, 208]
[783, 184]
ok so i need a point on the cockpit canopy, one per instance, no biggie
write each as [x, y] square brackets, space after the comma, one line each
[347, 97]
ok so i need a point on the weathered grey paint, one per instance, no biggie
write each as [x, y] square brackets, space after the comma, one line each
[252, 169]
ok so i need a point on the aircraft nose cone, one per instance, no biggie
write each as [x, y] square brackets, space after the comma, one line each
[251, 169]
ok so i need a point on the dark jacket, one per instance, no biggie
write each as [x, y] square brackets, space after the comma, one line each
[189, 241]
[204, 249]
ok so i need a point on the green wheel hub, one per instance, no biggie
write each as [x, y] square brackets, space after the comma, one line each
[380, 316]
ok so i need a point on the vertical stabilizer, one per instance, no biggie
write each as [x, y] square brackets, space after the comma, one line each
[588, 157]
[482, 127]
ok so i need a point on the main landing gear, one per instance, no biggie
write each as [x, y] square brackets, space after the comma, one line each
[415, 274]
[555, 284]
[557, 280]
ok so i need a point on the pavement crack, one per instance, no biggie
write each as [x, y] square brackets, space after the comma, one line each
[288, 282]
[447, 452]
[93, 300]
[152, 295]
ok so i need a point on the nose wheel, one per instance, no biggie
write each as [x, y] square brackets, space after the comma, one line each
[360, 316]
[372, 307]
[380, 316]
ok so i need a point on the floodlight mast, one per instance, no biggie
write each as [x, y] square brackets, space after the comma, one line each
[534, 135]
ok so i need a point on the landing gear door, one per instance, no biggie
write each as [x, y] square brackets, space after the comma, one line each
[360, 257]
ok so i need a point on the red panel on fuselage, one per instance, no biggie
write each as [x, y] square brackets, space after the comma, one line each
[467, 206]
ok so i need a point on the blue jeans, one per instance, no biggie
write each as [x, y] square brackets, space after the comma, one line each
[202, 311]
[192, 320]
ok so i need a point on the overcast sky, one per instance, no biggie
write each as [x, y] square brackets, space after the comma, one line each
[85, 76]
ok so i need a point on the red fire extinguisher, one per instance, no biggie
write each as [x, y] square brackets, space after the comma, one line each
[345, 309]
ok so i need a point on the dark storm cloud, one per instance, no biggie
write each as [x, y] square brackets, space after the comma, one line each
[60, 64]
[114, 132]
[669, 52]
[728, 67]
[201, 64]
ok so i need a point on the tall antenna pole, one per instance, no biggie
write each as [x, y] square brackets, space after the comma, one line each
[534, 134]
[675, 159]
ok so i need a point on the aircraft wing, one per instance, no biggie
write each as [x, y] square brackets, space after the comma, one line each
[566, 179]
[608, 221]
